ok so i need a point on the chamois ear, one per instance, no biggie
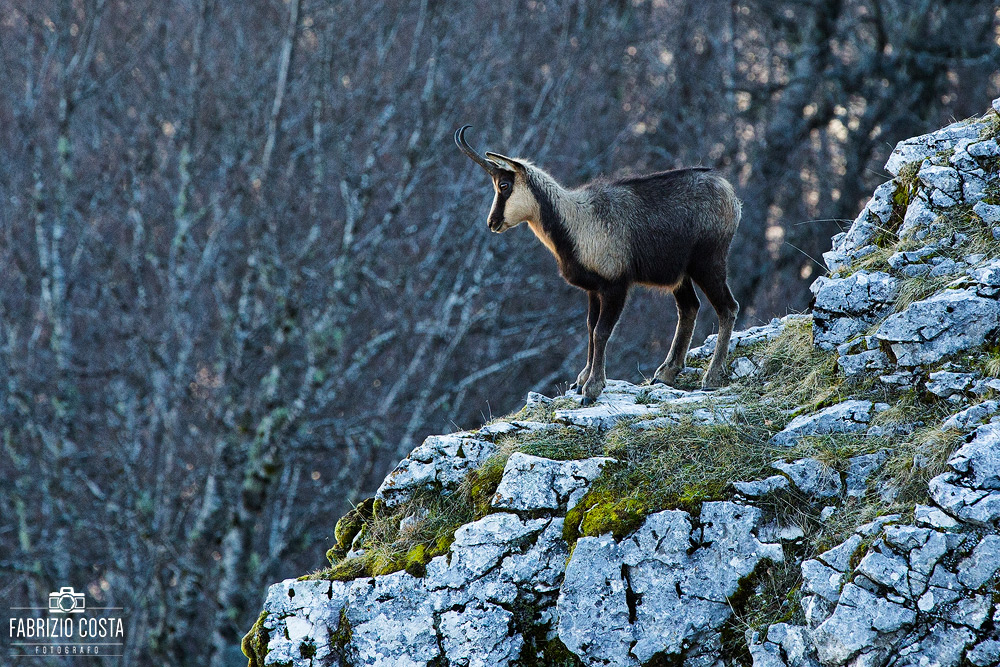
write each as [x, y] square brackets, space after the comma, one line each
[510, 163]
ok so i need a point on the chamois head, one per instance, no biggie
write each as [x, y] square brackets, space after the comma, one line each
[513, 201]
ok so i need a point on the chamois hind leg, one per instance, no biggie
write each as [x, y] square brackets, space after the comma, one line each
[612, 303]
[593, 313]
[726, 307]
[687, 314]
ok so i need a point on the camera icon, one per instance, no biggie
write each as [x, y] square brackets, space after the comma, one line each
[67, 601]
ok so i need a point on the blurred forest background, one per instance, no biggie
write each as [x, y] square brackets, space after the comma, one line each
[245, 269]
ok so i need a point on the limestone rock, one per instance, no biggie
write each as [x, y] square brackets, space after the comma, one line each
[839, 557]
[822, 580]
[812, 477]
[762, 487]
[919, 216]
[743, 368]
[620, 400]
[658, 591]
[933, 517]
[856, 242]
[532, 483]
[966, 419]
[847, 417]
[987, 149]
[928, 145]
[859, 623]
[440, 462]
[783, 646]
[985, 653]
[860, 468]
[943, 646]
[944, 179]
[979, 459]
[895, 592]
[607, 412]
[945, 383]
[747, 338]
[949, 322]
[990, 213]
[845, 307]
[984, 562]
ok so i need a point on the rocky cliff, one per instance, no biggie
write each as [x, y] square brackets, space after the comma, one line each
[837, 504]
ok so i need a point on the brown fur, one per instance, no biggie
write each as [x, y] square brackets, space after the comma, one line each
[670, 230]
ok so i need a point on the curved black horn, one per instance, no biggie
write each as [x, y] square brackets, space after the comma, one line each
[464, 146]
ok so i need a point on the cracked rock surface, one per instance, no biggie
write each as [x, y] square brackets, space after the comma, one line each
[662, 591]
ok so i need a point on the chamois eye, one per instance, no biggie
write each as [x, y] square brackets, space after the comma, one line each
[504, 186]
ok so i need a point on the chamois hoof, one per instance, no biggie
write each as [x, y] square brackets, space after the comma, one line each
[587, 400]
[655, 381]
[575, 386]
[713, 384]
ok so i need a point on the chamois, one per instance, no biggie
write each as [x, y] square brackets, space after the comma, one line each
[670, 230]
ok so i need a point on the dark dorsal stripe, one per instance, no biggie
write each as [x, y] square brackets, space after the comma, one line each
[660, 175]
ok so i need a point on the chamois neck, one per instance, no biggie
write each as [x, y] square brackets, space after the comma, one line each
[560, 204]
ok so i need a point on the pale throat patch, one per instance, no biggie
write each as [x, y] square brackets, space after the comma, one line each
[522, 206]
[596, 247]
[536, 227]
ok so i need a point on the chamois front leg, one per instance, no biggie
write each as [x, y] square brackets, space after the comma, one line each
[593, 313]
[612, 304]
[687, 315]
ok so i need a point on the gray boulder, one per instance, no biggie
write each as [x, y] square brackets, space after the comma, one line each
[762, 487]
[440, 462]
[949, 322]
[968, 418]
[847, 417]
[532, 483]
[928, 145]
[663, 590]
[862, 622]
[845, 307]
[812, 477]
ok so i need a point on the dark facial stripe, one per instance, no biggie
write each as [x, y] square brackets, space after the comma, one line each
[500, 200]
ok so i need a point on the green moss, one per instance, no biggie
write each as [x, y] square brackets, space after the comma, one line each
[991, 126]
[254, 644]
[345, 570]
[601, 512]
[538, 649]
[307, 649]
[683, 465]
[341, 637]
[348, 527]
